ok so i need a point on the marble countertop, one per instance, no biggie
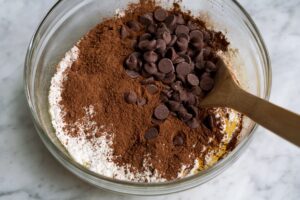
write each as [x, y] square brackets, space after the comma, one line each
[269, 169]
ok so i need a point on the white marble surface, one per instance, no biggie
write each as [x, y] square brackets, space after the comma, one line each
[269, 169]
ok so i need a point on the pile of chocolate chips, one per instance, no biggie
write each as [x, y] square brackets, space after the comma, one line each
[177, 52]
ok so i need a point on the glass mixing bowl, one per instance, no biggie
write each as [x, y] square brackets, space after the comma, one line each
[69, 20]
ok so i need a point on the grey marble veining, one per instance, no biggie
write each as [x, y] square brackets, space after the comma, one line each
[269, 169]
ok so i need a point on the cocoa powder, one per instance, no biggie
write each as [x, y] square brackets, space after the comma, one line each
[98, 78]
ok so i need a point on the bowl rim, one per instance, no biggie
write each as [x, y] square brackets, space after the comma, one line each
[206, 174]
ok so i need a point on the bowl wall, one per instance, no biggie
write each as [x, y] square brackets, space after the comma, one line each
[69, 20]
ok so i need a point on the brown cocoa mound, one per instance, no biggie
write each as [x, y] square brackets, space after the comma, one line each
[98, 78]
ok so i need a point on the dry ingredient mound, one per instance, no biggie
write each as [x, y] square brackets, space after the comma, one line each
[97, 80]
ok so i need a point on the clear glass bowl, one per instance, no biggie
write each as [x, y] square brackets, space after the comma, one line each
[69, 20]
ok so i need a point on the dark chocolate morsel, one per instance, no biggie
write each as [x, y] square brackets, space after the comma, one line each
[152, 89]
[160, 14]
[134, 25]
[151, 133]
[161, 112]
[165, 65]
[146, 19]
[150, 56]
[150, 68]
[130, 97]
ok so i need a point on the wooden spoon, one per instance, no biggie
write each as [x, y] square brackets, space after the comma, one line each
[227, 93]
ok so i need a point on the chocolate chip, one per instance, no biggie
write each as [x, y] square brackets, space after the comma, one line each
[192, 66]
[196, 36]
[145, 74]
[184, 35]
[173, 105]
[171, 21]
[151, 133]
[182, 52]
[178, 60]
[178, 140]
[141, 101]
[206, 83]
[159, 76]
[150, 56]
[173, 40]
[124, 32]
[145, 36]
[214, 57]
[179, 19]
[182, 43]
[161, 29]
[183, 96]
[134, 25]
[171, 53]
[130, 97]
[161, 46]
[181, 110]
[163, 98]
[182, 29]
[150, 68]
[173, 114]
[161, 112]
[160, 14]
[190, 52]
[167, 93]
[210, 66]
[193, 123]
[147, 80]
[206, 36]
[199, 56]
[156, 121]
[206, 74]
[191, 99]
[197, 91]
[192, 25]
[132, 61]
[152, 28]
[165, 65]
[132, 74]
[175, 96]
[169, 78]
[167, 87]
[193, 110]
[192, 79]
[200, 64]
[181, 78]
[187, 58]
[198, 45]
[206, 52]
[177, 86]
[147, 45]
[146, 19]
[167, 37]
[152, 89]
[183, 69]
[185, 116]
[134, 43]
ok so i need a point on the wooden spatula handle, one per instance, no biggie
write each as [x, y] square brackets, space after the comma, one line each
[284, 123]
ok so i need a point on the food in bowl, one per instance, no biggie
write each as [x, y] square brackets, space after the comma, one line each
[124, 100]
